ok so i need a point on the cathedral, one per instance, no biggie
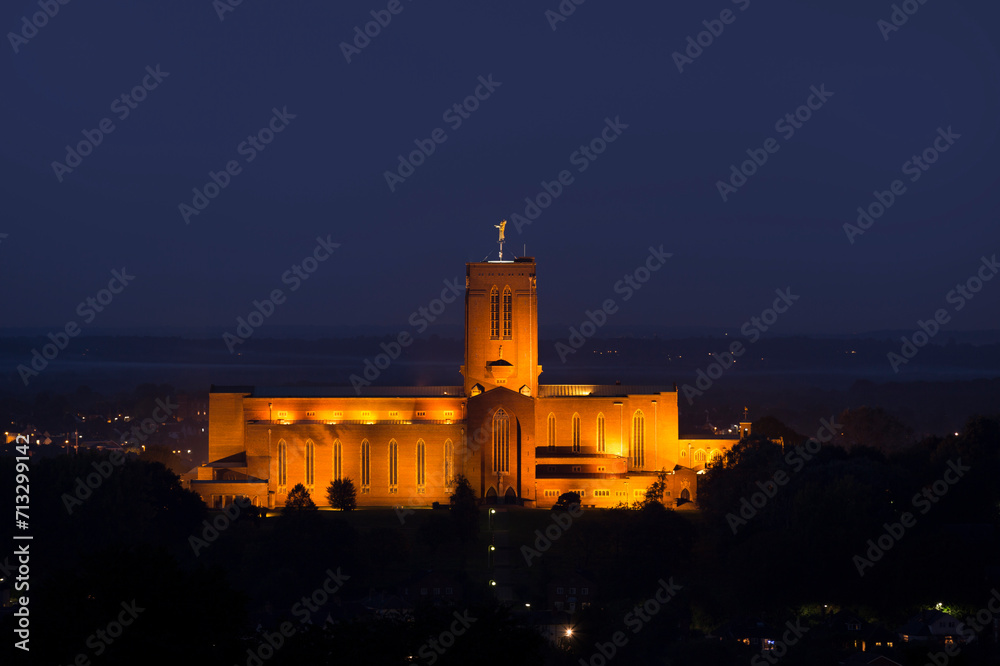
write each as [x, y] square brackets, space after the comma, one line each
[517, 441]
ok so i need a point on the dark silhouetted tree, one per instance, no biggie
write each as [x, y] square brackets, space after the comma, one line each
[566, 500]
[464, 509]
[299, 499]
[874, 427]
[654, 494]
[342, 494]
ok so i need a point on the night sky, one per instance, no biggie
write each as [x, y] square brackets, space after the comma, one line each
[886, 95]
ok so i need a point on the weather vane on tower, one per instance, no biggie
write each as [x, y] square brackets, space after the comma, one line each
[501, 226]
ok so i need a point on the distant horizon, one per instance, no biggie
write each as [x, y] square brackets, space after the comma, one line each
[456, 332]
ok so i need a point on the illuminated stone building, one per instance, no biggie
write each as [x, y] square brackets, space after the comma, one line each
[516, 440]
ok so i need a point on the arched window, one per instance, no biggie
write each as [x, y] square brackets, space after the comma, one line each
[699, 457]
[282, 464]
[338, 458]
[449, 462]
[494, 313]
[600, 433]
[393, 466]
[576, 433]
[638, 439]
[507, 315]
[366, 466]
[420, 462]
[552, 429]
[715, 457]
[501, 441]
[310, 463]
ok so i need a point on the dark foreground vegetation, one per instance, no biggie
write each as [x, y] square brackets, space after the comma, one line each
[778, 537]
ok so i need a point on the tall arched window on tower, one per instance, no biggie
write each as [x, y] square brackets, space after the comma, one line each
[420, 466]
[600, 433]
[366, 467]
[494, 313]
[338, 459]
[393, 466]
[310, 465]
[507, 314]
[638, 439]
[576, 433]
[552, 429]
[282, 466]
[501, 441]
[449, 462]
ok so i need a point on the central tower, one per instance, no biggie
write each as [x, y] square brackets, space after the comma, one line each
[501, 327]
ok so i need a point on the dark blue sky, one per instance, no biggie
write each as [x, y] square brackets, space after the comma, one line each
[656, 184]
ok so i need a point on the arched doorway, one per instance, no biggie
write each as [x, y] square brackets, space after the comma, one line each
[510, 497]
[685, 495]
[491, 495]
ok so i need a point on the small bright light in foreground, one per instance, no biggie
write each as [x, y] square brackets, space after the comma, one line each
[569, 632]
[493, 547]
[493, 510]
[493, 583]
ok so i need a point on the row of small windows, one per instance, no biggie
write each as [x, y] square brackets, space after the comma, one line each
[713, 457]
[500, 315]
[366, 414]
[582, 493]
[638, 441]
[366, 459]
